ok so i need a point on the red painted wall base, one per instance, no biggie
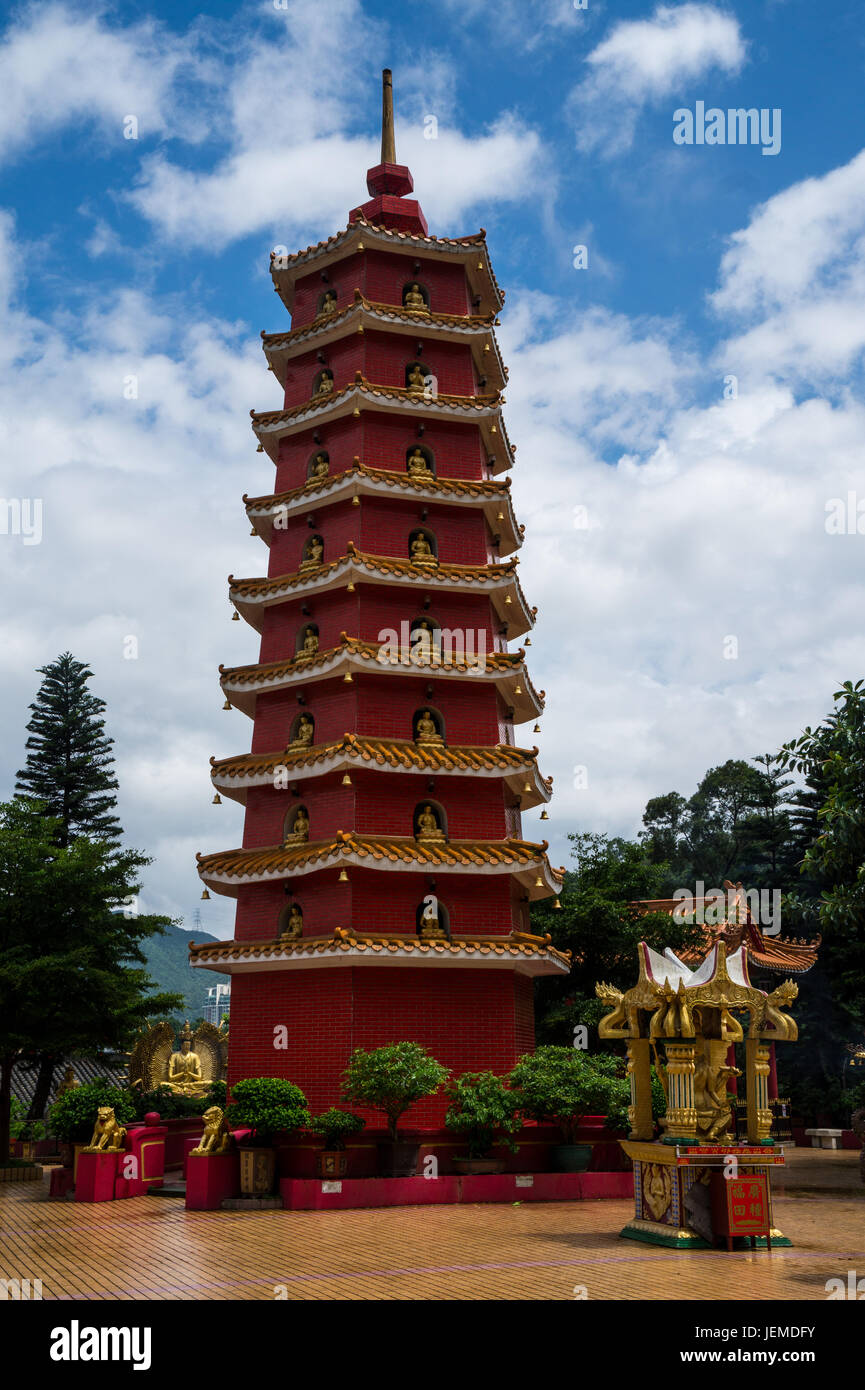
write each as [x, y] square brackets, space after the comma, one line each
[306, 1194]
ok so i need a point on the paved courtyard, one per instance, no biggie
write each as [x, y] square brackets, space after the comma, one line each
[149, 1248]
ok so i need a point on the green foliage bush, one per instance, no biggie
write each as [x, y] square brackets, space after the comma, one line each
[335, 1126]
[171, 1106]
[391, 1079]
[561, 1085]
[268, 1105]
[484, 1110]
[72, 1117]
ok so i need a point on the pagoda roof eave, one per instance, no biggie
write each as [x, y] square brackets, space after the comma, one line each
[474, 330]
[517, 767]
[471, 251]
[227, 871]
[272, 426]
[494, 497]
[242, 685]
[527, 955]
[499, 581]
[781, 955]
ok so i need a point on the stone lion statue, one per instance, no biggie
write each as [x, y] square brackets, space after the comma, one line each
[216, 1138]
[108, 1136]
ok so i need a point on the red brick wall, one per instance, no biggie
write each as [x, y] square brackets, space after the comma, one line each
[470, 1020]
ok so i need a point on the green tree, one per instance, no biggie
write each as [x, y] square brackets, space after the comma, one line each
[69, 765]
[831, 817]
[70, 769]
[598, 925]
[70, 956]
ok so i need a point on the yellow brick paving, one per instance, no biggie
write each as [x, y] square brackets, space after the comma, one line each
[153, 1249]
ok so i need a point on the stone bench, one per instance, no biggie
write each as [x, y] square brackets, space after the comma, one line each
[824, 1138]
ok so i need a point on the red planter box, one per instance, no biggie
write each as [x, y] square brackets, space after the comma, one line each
[209, 1180]
[97, 1174]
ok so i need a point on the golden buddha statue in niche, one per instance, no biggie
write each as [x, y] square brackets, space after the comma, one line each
[430, 926]
[184, 1068]
[425, 730]
[305, 732]
[325, 384]
[313, 553]
[415, 300]
[299, 831]
[417, 465]
[428, 827]
[309, 646]
[328, 304]
[294, 926]
[421, 551]
[320, 467]
[417, 380]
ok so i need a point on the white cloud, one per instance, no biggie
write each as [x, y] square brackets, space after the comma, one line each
[643, 61]
[61, 67]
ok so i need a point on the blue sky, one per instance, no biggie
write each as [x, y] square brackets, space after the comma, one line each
[146, 259]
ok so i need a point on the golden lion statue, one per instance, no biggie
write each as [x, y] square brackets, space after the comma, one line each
[108, 1136]
[216, 1138]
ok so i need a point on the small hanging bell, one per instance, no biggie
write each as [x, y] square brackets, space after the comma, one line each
[346, 781]
[227, 705]
[205, 897]
[217, 800]
[343, 876]
[235, 617]
[544, 815]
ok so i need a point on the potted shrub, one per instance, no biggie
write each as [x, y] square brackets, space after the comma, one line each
[560, 1085]
[267, 1105]
[331, 1161]
[486, 1112]
[72, 1117]
[391, 1079]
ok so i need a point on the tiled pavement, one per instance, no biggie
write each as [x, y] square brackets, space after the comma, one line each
[154, 1249]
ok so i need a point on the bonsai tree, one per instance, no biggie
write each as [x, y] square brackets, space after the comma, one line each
[562, 1084]
[483, 1109]
[391, 1079]
[335, 1126]
[267, 1105]
[72, 1117]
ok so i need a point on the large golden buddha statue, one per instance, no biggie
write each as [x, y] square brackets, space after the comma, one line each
[425, 729]
[201, 1058]
[185, 1075]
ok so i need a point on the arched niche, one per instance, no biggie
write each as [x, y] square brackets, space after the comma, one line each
[416, 377]
[319, 464]
[307, 642]
[322, 382]
[432, 919]
[302, 733]
[425, 812]
[419, 461]
[415, 296]
[295, 828]
[290, 922]
[422, 546]
[312, 553]
[421, 718]
[326, 303]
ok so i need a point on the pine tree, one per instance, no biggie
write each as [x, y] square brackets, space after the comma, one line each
[70, 767]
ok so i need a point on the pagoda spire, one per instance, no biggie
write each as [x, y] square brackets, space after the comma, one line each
[389, 182]
[388, 142]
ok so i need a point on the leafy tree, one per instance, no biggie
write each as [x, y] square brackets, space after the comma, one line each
[598, 925]
[70, 767]
[831, 759]
[70, 958]
[561, 1085]
[484, 1110]
[391, 1079]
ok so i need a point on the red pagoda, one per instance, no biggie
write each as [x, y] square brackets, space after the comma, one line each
[383, 884]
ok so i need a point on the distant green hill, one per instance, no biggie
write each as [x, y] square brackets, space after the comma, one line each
[169, 968]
